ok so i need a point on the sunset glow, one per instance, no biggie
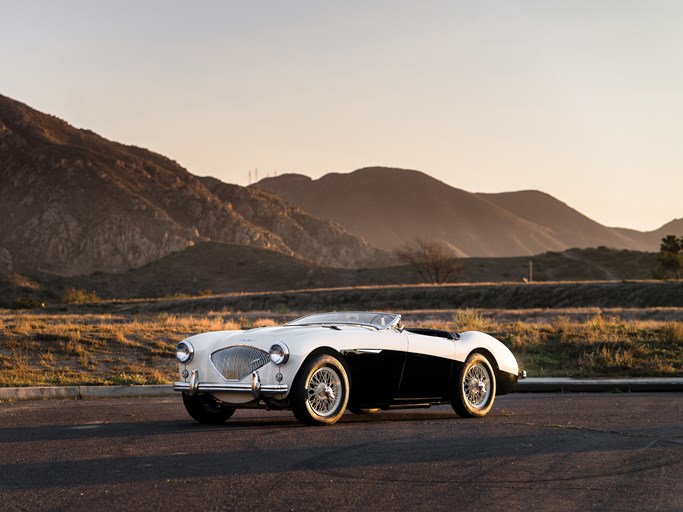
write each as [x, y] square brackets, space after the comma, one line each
[581, 100]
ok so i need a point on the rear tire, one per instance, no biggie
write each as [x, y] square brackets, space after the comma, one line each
[476, 388]
[206, 409]
[320, 391]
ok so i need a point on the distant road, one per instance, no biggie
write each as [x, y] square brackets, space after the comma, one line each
[532, 453]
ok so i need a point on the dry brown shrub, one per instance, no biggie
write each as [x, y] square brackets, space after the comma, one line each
[672, 332]
[607, 357]
[265, 322]
[161, 348]
[442, 325]
[23, 326]
[139, 374]
[524, 334]
[47, 359]
[231, 325]
[120, 337]
[470, 320]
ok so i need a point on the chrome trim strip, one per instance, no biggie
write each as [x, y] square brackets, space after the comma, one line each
[362, 351]
[238, 387]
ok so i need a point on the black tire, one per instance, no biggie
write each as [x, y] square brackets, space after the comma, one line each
[206, 409]
[476, 388]
[320, 391]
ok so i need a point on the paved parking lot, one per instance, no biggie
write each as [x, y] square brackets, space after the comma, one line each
[600, 451]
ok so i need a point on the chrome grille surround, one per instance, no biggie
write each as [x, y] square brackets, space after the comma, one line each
[235, 363]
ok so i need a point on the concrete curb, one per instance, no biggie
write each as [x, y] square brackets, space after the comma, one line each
[530, 385]
[566, 385]
[80, 392]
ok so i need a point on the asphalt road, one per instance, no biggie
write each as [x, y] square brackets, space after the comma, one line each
[608, 451]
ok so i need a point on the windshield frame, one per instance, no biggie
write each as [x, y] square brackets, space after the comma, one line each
[375, 320]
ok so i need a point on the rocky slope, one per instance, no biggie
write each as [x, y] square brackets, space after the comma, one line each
[302, 232]
[72, 202]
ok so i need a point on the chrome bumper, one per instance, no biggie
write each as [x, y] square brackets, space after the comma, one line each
[255, 387]
[266, 389]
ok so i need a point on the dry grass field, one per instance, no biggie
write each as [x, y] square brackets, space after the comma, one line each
[79, 347]
[82, 348]
[585, 342]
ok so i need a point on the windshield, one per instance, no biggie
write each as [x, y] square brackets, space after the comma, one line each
[376, 320]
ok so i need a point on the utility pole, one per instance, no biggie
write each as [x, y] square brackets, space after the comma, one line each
[531, 271]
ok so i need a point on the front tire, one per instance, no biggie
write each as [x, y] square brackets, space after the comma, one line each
[206, 409]
[476, 388]
[320, 391]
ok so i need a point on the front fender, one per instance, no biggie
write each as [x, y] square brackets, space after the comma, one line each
[470, 341]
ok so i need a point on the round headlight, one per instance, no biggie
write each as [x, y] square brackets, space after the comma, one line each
[184, 352]
[279, 353]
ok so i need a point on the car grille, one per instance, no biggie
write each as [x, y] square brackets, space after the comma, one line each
[235, 363]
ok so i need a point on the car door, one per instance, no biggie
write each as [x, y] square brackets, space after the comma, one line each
[428, 368]
[376, 366]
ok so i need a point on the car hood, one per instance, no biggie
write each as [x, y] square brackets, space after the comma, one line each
[264, 337]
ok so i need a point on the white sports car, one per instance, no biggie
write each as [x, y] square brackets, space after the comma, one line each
[320, 365]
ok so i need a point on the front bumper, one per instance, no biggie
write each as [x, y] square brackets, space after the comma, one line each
[254, 387]
[266, 389]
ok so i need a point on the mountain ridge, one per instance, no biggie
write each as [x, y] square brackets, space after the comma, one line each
[420, 206]
[75, 203]
[389, 211]
[565, 223]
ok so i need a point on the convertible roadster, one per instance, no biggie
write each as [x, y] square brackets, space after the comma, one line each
[320, 365]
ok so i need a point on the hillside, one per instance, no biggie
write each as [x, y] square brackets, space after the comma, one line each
[564, 223]
[652, 239]
[658, 299]
[391, 207]
[209, 268]
[72, 202]
[303, 233]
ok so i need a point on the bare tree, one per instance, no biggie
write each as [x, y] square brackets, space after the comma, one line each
[434, 261]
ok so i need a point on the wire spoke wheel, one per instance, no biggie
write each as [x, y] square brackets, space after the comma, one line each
[324, 391]
[476, 388]
[320, 391]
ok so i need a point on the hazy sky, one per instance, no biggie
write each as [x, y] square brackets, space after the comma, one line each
[580, 99]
